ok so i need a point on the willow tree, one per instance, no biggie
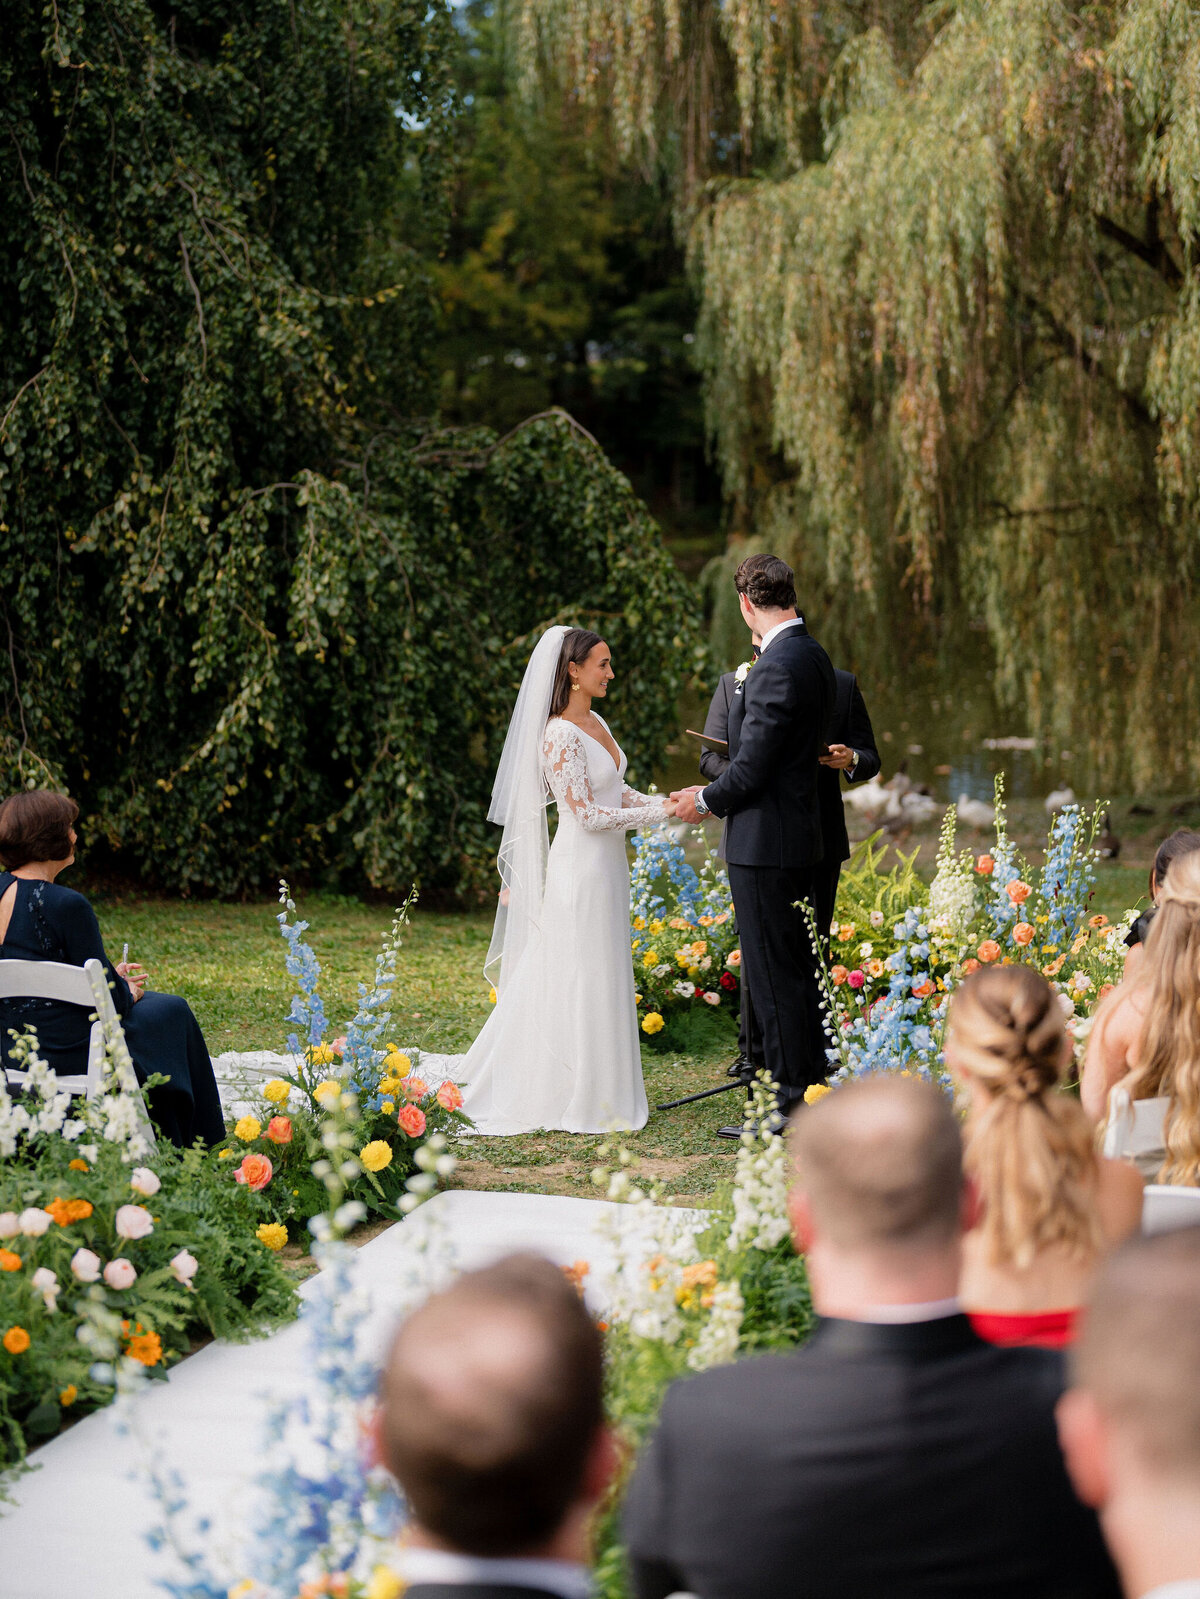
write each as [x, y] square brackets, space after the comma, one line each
[257, 613]
[952, 352]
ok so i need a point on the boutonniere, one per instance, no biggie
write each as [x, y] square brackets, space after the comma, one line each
[743, 671]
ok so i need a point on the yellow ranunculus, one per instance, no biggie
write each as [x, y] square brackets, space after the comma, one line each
[384, 1584]
[387, 1106]
[816, 1091]
[397, 1064]
[248, 1129]
[321, 1055]
[656, 926]
[271, 1233]
[276, 1090]
[328, 1092]
[650, 958]
[492, 996]
[376, 1155]
[652, 1023]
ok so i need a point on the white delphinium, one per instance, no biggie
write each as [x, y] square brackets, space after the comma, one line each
[720, 1336]
[952, 892]
[760, 1219]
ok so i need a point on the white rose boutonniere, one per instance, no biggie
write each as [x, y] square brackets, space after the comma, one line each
[743, 671]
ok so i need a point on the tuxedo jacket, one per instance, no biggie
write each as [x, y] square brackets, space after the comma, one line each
[473, 1590]
[778, 720]
[878, 1462]
[849, 725]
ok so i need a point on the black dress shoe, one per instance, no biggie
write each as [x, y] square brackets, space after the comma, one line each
[744, 1068]
[774, 1123]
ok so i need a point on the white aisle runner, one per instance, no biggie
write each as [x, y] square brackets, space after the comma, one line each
[80, 1519]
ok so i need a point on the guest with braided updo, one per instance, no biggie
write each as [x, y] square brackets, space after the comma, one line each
[1048, 1205]
[1146, 1035]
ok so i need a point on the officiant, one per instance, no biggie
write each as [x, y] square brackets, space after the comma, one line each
[852, 752]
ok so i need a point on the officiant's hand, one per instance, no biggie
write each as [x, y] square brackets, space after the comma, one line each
[136, 976]
[685, 804]
[840, 757]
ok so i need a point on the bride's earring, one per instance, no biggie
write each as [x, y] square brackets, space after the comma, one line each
[574, 686]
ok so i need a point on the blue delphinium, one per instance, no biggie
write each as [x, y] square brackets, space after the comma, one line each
[307, 1008]
[657, 855]
[893, 1034]
[1069, 874]
[362, 1053]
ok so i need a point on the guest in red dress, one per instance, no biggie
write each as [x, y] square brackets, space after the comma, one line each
[1048, 1206]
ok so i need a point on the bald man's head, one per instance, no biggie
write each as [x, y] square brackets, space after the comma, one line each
[880, 1162]
[492, 1399]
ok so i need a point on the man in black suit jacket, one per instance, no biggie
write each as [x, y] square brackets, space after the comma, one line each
[492, 1421]
[896, 1455]
[773, 845]
[852, 751]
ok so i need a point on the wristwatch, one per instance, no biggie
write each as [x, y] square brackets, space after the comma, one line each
[699, 803]
[853, 766]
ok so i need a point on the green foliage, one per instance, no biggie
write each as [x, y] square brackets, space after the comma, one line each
[259, 616]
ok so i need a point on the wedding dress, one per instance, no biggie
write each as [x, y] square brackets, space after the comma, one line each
[560, 1049]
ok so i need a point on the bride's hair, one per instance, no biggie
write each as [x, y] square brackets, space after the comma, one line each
[578, 643]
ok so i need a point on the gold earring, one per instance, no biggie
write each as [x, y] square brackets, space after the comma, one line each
[574, 686]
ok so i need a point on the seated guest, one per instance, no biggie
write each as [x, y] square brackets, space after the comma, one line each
[1048, 1204]
[42, 921]
[1181, 842]
[491, 1420]
[1130, 1423]
[897, 1454]
[1146, 1035]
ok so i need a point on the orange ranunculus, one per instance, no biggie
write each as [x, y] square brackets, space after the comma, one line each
[988, 950]
[1023, 934]
[923, 990]
[985, 865]
[1097, 921]
[16, 1340]
[65, 1211]
[414, 1088]
[145, 1348]
[1018, 892]
[412, 1120]
[279, 1130]
[255, 1172]
[970, 966]
[449, 1097]
[839, 975]
[9, 1260]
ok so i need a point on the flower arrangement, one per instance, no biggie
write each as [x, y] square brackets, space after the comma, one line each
[682, 937]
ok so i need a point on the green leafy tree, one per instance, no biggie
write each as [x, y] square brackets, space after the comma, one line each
[257, 613]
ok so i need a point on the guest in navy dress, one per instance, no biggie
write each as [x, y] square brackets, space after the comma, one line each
[42, 921]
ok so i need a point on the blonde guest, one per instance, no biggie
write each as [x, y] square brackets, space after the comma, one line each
[1146, 1036]
[1048, 1205]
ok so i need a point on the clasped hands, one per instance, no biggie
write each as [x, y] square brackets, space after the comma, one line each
[684, 801]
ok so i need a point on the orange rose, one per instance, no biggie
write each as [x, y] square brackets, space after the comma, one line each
[839, 974]
[923, 990]
[970, 966]
[985, 865]
[9, 1261]
[414, 1088]
[449, 1097]
[1023, 934]
[255, 1173]
[988, 950]
[1018, 892]
[412, 1120]
[279, 1129]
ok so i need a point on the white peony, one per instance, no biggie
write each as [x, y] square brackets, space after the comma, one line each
[143, 1181]
[133, 1221]
[120, 1273]
[10, 1224]
[86, 1265]
[184, 1267]
[34, 1222]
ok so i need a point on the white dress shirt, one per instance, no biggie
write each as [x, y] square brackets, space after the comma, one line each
[1189, 1589]
[560, 1577]
[773, 633]
[904, 1315]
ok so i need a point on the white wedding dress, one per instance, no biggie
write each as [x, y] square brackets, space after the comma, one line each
[560, 1049]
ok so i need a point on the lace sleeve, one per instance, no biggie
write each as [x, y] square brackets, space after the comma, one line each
[566, 771]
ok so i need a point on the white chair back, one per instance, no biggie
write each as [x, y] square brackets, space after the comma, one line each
[1134, 1126]
[1165, 1207]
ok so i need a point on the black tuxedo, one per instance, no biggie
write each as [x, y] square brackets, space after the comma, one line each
[878, 1462]
[473, 1590]
[772, 844]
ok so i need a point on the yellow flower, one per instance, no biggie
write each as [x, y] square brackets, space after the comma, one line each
[652, 1023]
[384, 1584]
[276, 1091]
[272, 1234]
[248, 1129]
[321, 1055]
[693, 972]
[226, 1154]
[683, 956]
[816, 1091]
[656, 926]
[388, 1106]
[376, 1155]
[396, 1063]
[639, 922]
[492, 996]
[68, 1396]
[328, 1092]
[650, 958]
[637, 999]
[78, 1165]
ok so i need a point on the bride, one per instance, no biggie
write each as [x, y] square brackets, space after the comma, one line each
[560, 1050]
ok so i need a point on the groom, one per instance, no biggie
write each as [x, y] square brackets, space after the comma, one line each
[777, 728]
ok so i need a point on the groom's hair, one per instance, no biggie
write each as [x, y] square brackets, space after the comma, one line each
[767, 582]
[491, 1402]
[578, 643]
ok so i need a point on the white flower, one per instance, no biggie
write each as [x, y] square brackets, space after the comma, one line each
[712, 997]
[446, 1165]
[865, 951]
[1081, 982]
[721, 1334]
[133, 1221]
[706, 963]
[876, 918]
[684, 990]
[349, 1215]
[119, 1273]
[1067, 1004]
[10, 1224]
[86, 1265]
[89, 1153]
[145, 1182]
[184, 1267]
[71, 1129]
[660, 971]
[34, 1222]
[45, 1282]
[743, 671]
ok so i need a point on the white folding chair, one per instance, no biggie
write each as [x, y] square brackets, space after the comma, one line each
[1134, 1126]
[1165, 1207]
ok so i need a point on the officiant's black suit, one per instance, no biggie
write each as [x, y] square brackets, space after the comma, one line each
[878, 1462]
[773, 844]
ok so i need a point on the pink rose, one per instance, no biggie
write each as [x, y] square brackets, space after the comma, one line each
[449, 1097]
[412, 1120]
[133, 1221]
[255, 1172]
[85, 1264]
[856, 978]
[119, 1273]
[415, 1088]
[184, 1267]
